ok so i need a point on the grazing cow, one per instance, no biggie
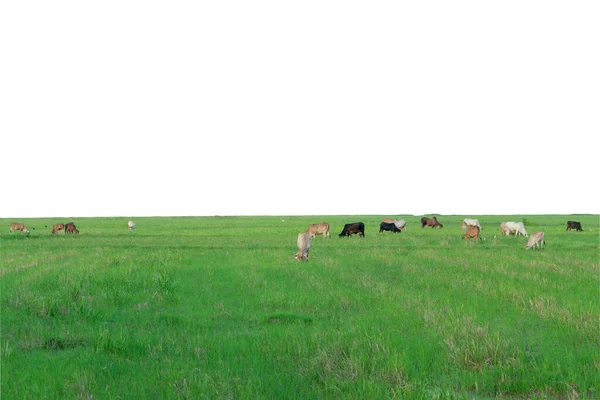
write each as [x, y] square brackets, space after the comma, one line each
[516, 228]
[386, 226]
[400, 223]
[472, 232]
[131, 225]
[353, 228]
[17, 226]
[432, 222]
[574, 225]
[58, 227]
[318, 229]
[70, 228]
[536, 239]
[471, 222]
[304, 243]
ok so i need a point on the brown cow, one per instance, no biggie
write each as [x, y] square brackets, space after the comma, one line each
[432, 222]
[17, 226]
[353, 229]
[472, 232]
[536, 239]
[58, 227]
[318, 229]
[70, 228]
[304, 243]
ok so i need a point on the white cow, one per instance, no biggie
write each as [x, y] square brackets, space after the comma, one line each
[471, 222]
[400, 223]
[536, 239]
[516, 228]
[304, 243]
[131, 225]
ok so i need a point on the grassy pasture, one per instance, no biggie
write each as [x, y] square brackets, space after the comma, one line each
[215, 307]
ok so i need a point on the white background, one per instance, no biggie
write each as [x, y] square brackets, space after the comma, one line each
[147, 108]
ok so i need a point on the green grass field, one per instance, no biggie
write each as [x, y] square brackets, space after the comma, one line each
[216, 307]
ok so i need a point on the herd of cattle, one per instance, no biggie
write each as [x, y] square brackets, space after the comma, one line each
[472, 226]
[69, 227]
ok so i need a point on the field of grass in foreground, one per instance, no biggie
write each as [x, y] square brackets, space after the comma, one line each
[215, 307]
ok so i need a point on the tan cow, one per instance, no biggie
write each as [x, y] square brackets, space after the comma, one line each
[318, 229]
[472, 232]
[536, 239]
[304, 243]
[131, 225]
[17, 226]
[58, 227]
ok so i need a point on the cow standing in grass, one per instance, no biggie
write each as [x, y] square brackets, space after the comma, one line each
[318, 229]
[131, 225]
[70, 228]
[471, 222]
[432, 222]
[387, 226]
[472, 233]
[536, 240]
[574, 225]
[515, 228]
[19, 227]
[400, 223]
[58, 228]
[304, 242]
[353, 228]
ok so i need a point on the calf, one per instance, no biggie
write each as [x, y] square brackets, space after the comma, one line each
[353, 228]
[17, 226]
[131, 225]
[574, 225]
[386, 226]
[58, 227]
[70, 228]
[472, 232]
[318, 229]
[304, 242]
[432, 222]
[536, 239]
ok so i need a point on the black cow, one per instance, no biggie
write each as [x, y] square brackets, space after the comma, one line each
[385, 226]
[356, 227]
[574, 225]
